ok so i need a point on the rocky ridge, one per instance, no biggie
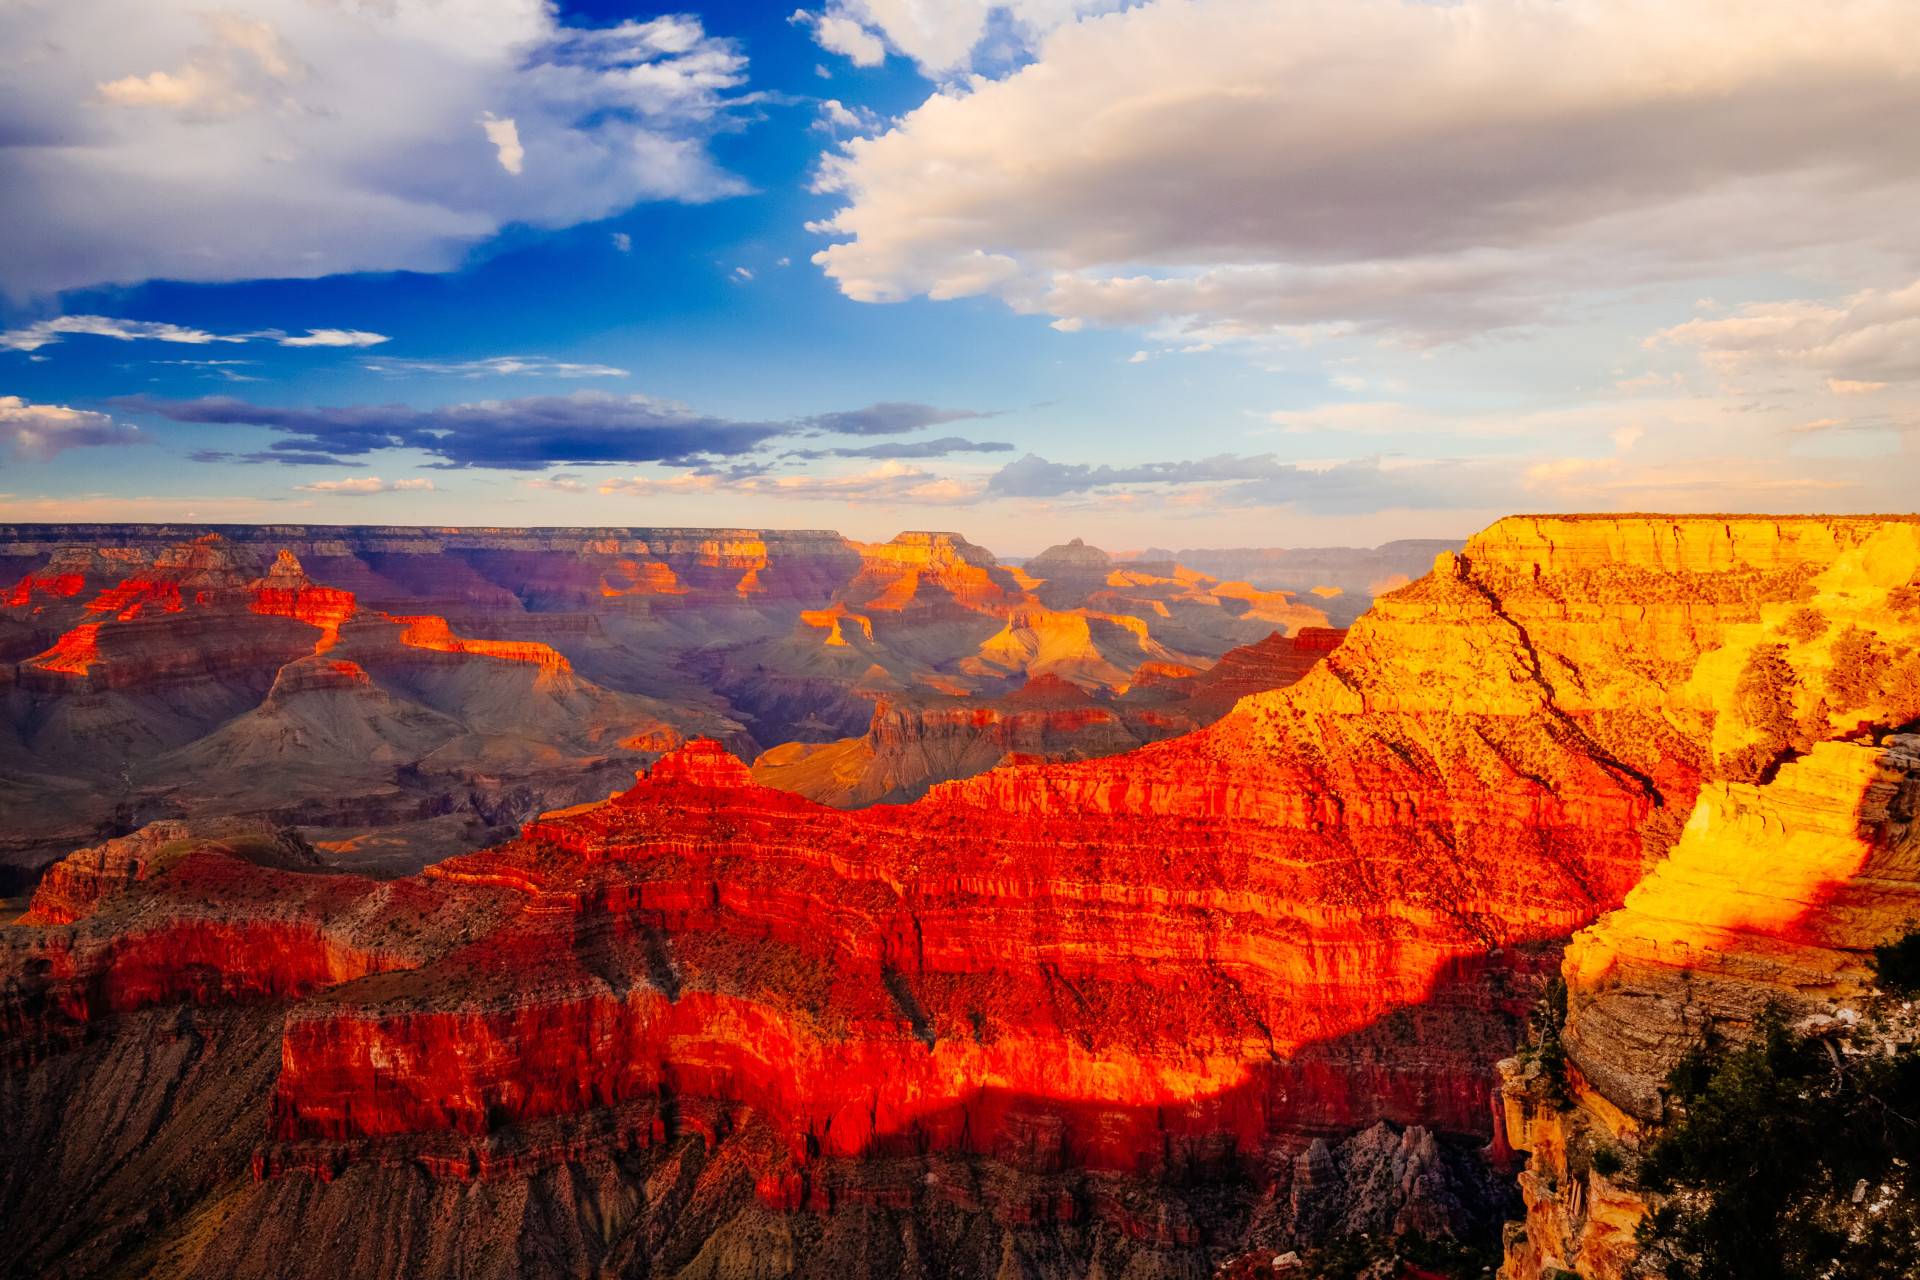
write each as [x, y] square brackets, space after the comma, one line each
[1327, 910]
[914, 742]
[440, 685]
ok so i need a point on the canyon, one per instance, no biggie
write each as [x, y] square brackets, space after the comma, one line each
[1236, 987]
[404, 694]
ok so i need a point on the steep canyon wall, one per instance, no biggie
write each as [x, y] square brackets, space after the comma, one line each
[1331, 908]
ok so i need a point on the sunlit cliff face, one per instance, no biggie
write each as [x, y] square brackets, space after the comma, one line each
[1330, 907]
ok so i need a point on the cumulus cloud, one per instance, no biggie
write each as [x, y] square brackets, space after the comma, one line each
[505, 137]
[892, 483]
[942, 37]
[36, 432]
[556, 484]
[835, 114]
[1248, 168]
[525, 366]
[152, 138]
[362, 486]
[531, 433]
[1860, 344]
[837, 33]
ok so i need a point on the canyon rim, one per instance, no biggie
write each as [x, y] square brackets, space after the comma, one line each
[1231, 994]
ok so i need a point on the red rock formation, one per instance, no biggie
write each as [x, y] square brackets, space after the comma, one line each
[1273, 663]
[724, 940]
[434, 633]
[915, 741]
[287, 592]
[1327, 909]
[1201, 941]
[1461, 774]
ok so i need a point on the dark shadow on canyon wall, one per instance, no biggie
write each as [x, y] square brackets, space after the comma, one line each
[151, 1139]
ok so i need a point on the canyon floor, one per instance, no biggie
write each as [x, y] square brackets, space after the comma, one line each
[1185, 947]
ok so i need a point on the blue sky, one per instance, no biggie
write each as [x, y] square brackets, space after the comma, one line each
[1203, 274]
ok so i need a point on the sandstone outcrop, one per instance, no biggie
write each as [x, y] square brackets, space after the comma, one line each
[1329, 909]
[1789, 867]
[1343, 581]
[500, 665]
[914, 742]
[200, 679]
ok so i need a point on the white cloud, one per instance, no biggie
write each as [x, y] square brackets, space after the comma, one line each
[1250, 168]
[1859, 344]
[623, 242]
[45, 332]
[150, 138]
[246, 61]
[500, 366]
[36, 432]
[946, 36]
[555, 484]
[891, 483]
[835, 114]
[505, 137]
[363, 485]
[336, 338]
[837, 33]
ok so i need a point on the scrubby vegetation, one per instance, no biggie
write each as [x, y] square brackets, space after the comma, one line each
[1896, 964]
[1804, 624]
[1791, 1159]
[1905, 602]
[1859, 670]
[1547, 1020]
[1763, 702]
[1350, 1257]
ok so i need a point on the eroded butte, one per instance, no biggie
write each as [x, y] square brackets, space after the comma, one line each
[1328, 909]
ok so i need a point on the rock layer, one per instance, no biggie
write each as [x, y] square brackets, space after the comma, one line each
[1327, 910]
[507, 671]
[914, 742]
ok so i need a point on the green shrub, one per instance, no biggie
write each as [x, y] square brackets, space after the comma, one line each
[1549, 1019]
[1859, 670]
[1803, 625]
[1896, 964]
[1762, 1162]
[1606, 1161]
[1764, 702]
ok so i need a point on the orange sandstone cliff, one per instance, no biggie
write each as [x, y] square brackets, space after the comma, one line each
[1216, 956]
[915, 742]
[403, 694]
[1797, 857]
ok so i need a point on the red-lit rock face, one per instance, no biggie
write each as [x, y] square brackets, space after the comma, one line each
[1319, 912]
[944, 973]
[1050, 958]
[1201, 941]
[914, 742]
